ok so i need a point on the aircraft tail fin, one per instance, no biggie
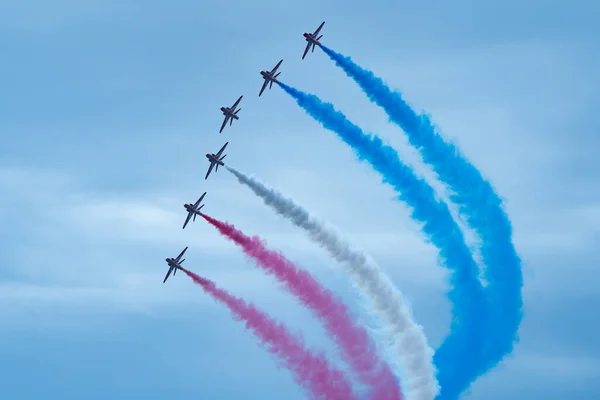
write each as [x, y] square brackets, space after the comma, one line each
[217, 167]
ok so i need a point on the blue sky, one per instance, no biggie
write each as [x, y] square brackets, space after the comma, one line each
[108, 108]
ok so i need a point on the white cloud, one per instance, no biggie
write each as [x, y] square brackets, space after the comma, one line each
[86, 254]
[29, 305]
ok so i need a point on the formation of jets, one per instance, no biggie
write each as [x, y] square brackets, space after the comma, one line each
[215, 160]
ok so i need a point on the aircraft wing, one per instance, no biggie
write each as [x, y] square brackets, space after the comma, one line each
[306, 50]
[181, 254]
[168, 274]
[224, 123]
[236, 103]
[221, 151]
[187, 219]
[212, 164]
[264, 86]
[199, 200]
[277, 66]
[318, 29]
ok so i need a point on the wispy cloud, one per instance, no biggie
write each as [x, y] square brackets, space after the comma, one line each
[65, 249]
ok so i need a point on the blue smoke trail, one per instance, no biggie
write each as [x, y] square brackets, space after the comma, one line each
[458, 359]
[475, 197]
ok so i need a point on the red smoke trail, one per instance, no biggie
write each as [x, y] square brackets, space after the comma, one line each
[356, 347]
[313, 372]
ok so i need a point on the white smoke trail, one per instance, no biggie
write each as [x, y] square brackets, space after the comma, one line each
[413, 354]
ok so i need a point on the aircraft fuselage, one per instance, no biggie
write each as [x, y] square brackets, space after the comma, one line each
[267, 76]
[214, 159]
[190, 208]
[228, 112]
[311, 39]
[171, 262]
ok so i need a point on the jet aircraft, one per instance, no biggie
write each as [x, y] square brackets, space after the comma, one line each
[215, 160]
[193, 210]
[174, 264]
[230, 113]
[269, 77]
[312, 39]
